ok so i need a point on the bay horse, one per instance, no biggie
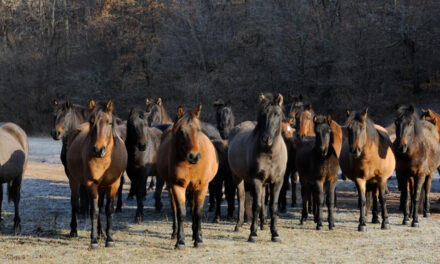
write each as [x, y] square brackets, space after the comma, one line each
[318, 165]
[417, 151]
[367, 158]
[142, 143]
[14, 148]
[96, 158]
[67, 117]
[258, 155]
[187, 159]
[156, 113]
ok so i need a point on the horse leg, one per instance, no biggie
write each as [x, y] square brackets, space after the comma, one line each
[294, 180]
[373, 191]
[241, 200]
[109, 209]
[282, 199]
[94, 214]
[257, 195]
[427, 187]
[418, 184]
[140, 189]
[404, 199]
[331, 194]
[263, 213]
[304, 196]
[361, 186]
[83, 201]
[119, 203]
[132, 191]
[275, 189]
[179, 198]
[14, 194]
[212, 195]
[173, 207]
[1, 200]
[218, 198]
[230, 196]
[248, 202]
[152, 183]
[100, 205]
[319, 203]
[383, 204]
[157, 193]
[199, 200]
[74, 203]
[411, 193]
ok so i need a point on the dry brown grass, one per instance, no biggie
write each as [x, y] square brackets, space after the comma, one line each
[45, 211]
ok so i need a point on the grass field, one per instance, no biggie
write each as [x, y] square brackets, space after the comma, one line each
[45, 213]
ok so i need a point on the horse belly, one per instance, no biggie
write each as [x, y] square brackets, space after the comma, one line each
[12, 158]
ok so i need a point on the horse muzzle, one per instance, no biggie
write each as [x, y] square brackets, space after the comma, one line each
[141, 146]
[402, 148]
[56, 134]
[355, 151]
[323, 151]
[193, 157]
[99, 152]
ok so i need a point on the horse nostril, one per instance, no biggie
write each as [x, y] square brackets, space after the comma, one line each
[193, 158]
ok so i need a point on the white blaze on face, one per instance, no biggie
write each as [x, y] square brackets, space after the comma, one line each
[289, 128]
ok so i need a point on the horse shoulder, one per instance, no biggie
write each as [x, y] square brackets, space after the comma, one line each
[18, 134]
[337, 137]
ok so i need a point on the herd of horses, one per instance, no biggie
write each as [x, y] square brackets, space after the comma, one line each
[253, 161]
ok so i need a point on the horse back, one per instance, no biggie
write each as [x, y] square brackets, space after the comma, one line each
[14, 151]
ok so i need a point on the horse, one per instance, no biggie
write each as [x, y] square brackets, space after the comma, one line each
[225, 122]
[142, 143]
[156, 113]
[187, 159]
[304, 122]
[417, 151]
[13, 159]
[367, 158]
[258, 155]
[434, 118]
[318, 165]
[67, 117]
[96, 158]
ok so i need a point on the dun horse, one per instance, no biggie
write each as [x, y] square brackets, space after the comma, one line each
[156, 113]
[318, 167]
[417, 151]
[186, 159]
[367, 158]
[258, 155]
[142, 144]
[96, 158]
[13, 159]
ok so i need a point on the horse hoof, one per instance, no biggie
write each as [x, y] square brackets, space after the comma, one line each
[180, 246]
[73, 234]
[93, 246]
[216, 220]
[276, 239]
[198, 244]
[283, 210]
[110, 244]
[173, 236]
[230, 218]
[385, 226]
[118, 210]
[237, 229]
[375, 221]
[252, 239]
[263, 227]
[415, 224]
[331, 227]
[138, 219]
[318, 227]
[405, 222]
[426, 214]
[362, 228]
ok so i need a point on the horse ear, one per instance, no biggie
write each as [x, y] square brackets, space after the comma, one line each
[411, 109]
[131, 111]
[279, 100]
[329, 119]
[159, 101]
[424, 111]
[180, 111]
[68, 104]
[196, 112]
[364, 113]
[261, 97]
[309, 106]
[92, 104]
[300, 98]
[109, 105]
[397, 106]
[347, 112]
[55, 103]
[147, 101]
[430, 112]
[315, 119]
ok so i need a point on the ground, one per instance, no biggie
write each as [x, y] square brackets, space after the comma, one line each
[45, 214]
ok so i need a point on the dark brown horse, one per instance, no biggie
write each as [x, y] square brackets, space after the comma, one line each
[367, 158]
[142, 143]
[67, 117]
[156, 113]
[187, 160]
[96, 158]
[13, 159]
[258, 155]
[318, 167]
[417, 151]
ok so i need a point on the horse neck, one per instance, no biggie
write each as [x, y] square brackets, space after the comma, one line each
[165, 118]
[77, 117]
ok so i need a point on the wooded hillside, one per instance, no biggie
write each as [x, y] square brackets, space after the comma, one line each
[339, 54]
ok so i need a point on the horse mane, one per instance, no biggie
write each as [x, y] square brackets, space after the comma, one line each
[264, 104]
[185, 119]
[165, 117]
[102, 107]
[371, 130]
[405, 112]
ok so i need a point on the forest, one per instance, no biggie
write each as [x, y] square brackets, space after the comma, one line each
[338, 54]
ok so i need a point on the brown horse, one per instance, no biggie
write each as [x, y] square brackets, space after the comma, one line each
[186, 159]
[13, 159]
[318, 167]
[96, 158]
[258, 155]
[367, 157]
[417, 151]
[156, 112]
[304, 122]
